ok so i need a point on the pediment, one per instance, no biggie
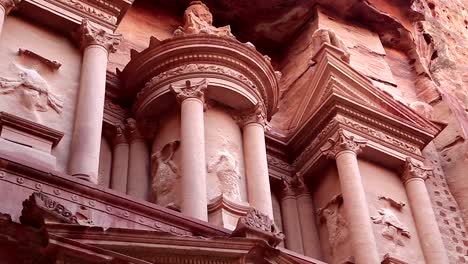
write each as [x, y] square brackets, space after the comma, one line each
[334, 76]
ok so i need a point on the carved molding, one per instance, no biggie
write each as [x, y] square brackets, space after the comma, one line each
[412, 171]
[189, 90]
[89, 34]
[9, 5]
[39, 204]
[343, 142]
[110, 15]
[276, 162]
[257, 224]
[54, 65]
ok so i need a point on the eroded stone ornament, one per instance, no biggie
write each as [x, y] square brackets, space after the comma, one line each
[393, 229]
[35, 91]
[199, 20]
[414, 171]
[88, 34]
[337, 226]
[227, 170]
[190, 90]
[254, 115]
[326, 35]
[343, 142]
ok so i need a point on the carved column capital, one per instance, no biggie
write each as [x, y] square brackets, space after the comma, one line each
[118, 135]
[413, 171]
[134, 132]
[8, 5]
[293, 186]
[88, 34]
[189, 90]
[343, 142]
[256, 115]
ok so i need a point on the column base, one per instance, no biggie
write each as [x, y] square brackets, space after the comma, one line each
[82, 177]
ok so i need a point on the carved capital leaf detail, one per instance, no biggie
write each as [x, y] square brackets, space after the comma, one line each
[190, 90]
[8, 5]
[343, 142]
[413, 170]
[88, 34]
[256, 115]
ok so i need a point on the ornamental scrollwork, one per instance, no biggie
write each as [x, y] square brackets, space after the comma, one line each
[255, 115]
[88, 34]
[189, 90]
[343, 142]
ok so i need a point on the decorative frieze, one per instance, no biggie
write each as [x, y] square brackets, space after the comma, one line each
[189, 90]
[343, 142]
[413, 171]
[88, 9]
[89, 34]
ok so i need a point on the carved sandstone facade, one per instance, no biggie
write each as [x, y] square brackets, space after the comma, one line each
[308, 132]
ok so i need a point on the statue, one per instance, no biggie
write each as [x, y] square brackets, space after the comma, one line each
[325, 35]
[227, 170]
[199, 20]
[36, 90]
[165, 176]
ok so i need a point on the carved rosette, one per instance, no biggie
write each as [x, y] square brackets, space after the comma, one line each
[343, 142]
[88, 35]
[9, 5]
[190, 90]
[414, 171]
[256, 115]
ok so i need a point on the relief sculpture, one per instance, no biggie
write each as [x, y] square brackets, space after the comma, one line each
[34, 90]
[393, 229]
[165, 177]
[227, 170]
[325, 35]
[336, 224]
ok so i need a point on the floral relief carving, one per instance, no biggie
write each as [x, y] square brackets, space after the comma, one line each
[227, 170]
[199, 20]
[336, 224]
[326, 35]
[166, 176]
[343, 142]
[255, 115]
[35, 92]
[88, 34]
[190, 90]
[90, 10]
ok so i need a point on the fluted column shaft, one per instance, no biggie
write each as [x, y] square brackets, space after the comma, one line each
[192, 146]
[139, 163]
[120, 153]
[5, 7]
[310, 238]
[96, 43]
[424, 218]
[291, 221]
[344, 150]
[256, 164]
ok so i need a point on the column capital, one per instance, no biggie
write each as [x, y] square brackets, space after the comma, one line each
[134, 132]
[414, 171]
[9, 5]
[256, 115]
[343, 142]
[88, 34]
[118, 135]
[293, 186]
[189, 90]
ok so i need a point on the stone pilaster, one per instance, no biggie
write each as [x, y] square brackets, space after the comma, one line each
[96, 45]
[290, 216]
[139, 162]
[344, 149]
[253, 125]
[414, 176]
[192, 145]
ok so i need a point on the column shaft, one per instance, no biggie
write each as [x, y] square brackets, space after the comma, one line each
[426, 225]
[138, 169]
[310, 238]
[291, 224]
[84, 162]
[120, 167]
[193, 169]
[3, 14]
[256, 168]
[356, 208]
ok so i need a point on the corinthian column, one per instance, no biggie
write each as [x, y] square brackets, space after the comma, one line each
[421, 207]
[5, 7]
[119, 160]
[344, 149]
[96, 45]
[192, 146]
[290, 217]
[138, 168]
[255, 159]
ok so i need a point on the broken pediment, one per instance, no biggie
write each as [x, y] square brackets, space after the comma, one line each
[334, 78]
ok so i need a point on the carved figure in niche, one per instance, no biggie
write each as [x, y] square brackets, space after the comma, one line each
[199, 20]
[393, 229]
[36, 93]
[227, 170]
[325, 35]
[336, 224]
[165, 176]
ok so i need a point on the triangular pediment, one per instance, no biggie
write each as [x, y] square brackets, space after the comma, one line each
[334, 76]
